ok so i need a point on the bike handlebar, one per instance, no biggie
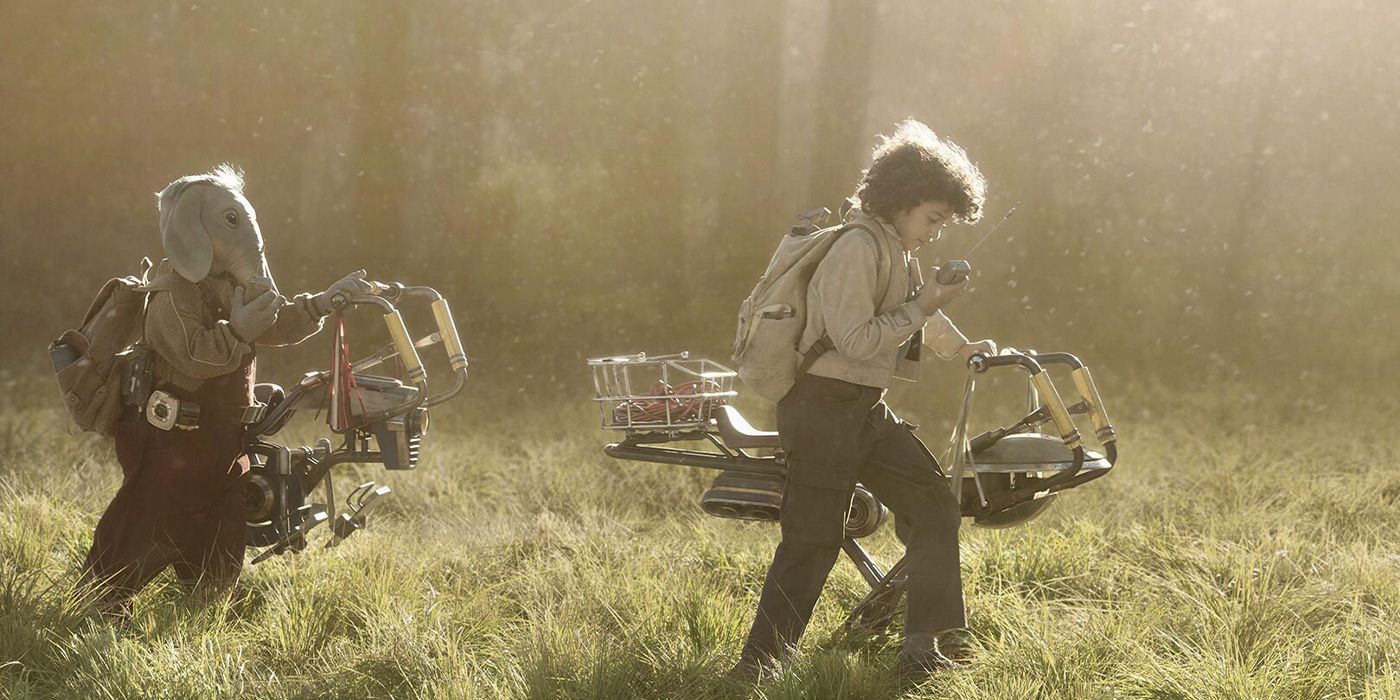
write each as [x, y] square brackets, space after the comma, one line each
[388, 296]
[1033, 363]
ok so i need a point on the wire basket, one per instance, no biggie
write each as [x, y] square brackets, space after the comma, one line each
[661, 392]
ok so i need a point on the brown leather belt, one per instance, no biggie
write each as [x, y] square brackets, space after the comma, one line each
[167, 411]
[245, 415]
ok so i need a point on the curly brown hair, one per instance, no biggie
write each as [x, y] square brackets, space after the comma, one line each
[915, 166]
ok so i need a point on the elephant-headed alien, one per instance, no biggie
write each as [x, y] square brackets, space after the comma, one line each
[212, 302]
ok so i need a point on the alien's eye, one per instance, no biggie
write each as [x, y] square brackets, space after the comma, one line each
[231, 218]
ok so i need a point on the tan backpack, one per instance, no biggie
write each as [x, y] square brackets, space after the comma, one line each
[91, 361]
[772, 318]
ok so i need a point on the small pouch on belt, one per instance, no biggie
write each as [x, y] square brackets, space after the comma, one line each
[167, 412]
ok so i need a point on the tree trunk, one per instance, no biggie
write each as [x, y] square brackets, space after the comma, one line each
[841, 142]
[732, 115]
[381, 48]
[748, 112]
[1233, 298]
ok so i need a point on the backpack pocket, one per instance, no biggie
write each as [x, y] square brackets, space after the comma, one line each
[91, 390]
[770, 358]
[751, 322]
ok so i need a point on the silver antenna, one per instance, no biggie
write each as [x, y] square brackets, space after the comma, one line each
[988, 234]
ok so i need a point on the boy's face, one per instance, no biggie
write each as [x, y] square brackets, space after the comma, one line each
[922, 224]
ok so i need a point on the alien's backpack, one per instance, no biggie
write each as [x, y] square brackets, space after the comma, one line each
[773, 317]
[93, 361]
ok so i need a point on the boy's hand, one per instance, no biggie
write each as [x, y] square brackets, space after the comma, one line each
[985, 346]
[249, 318]
[935, 296]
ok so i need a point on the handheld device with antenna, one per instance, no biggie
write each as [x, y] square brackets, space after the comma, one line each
[955, 271]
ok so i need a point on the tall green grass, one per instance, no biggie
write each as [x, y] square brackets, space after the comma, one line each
[1246, 548]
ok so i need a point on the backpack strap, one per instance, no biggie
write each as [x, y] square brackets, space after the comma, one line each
[819, 348]
[146, 267]
[882, 262]
[882, 283]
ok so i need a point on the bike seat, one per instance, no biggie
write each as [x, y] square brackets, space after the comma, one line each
[737, 432]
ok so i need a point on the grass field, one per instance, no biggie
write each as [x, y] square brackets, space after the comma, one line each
[1246, 548]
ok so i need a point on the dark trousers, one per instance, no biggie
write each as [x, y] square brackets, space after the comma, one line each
[834, 434]
[180, 503]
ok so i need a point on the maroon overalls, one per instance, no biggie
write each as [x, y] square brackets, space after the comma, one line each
[181, 501]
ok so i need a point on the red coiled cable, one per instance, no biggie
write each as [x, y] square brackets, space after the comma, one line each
[683, 403]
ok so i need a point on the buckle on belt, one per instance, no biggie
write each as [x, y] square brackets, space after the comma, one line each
[252, 414]
[168, 412]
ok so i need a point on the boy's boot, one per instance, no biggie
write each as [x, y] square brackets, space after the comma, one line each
[752, 670]
[924, 654]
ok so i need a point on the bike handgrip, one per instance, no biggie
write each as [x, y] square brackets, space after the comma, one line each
[1059, 415]
[404, 344]
[451, 342]
[1103, 428]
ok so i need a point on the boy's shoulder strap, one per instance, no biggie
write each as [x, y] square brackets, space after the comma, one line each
[883, 264]
[882, 283]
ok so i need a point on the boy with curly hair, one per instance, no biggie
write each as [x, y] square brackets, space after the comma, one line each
[868, 305]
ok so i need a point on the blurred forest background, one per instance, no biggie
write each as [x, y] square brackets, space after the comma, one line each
[1206, 188]
[1207, 216]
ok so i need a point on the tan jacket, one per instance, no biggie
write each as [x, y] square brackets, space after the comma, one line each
[870, 326]
[194, 342]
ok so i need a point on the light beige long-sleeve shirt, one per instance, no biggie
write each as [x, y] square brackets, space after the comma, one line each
[194, 342]
[869, 326]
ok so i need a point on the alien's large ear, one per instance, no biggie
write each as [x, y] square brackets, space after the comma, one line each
[182, 231]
